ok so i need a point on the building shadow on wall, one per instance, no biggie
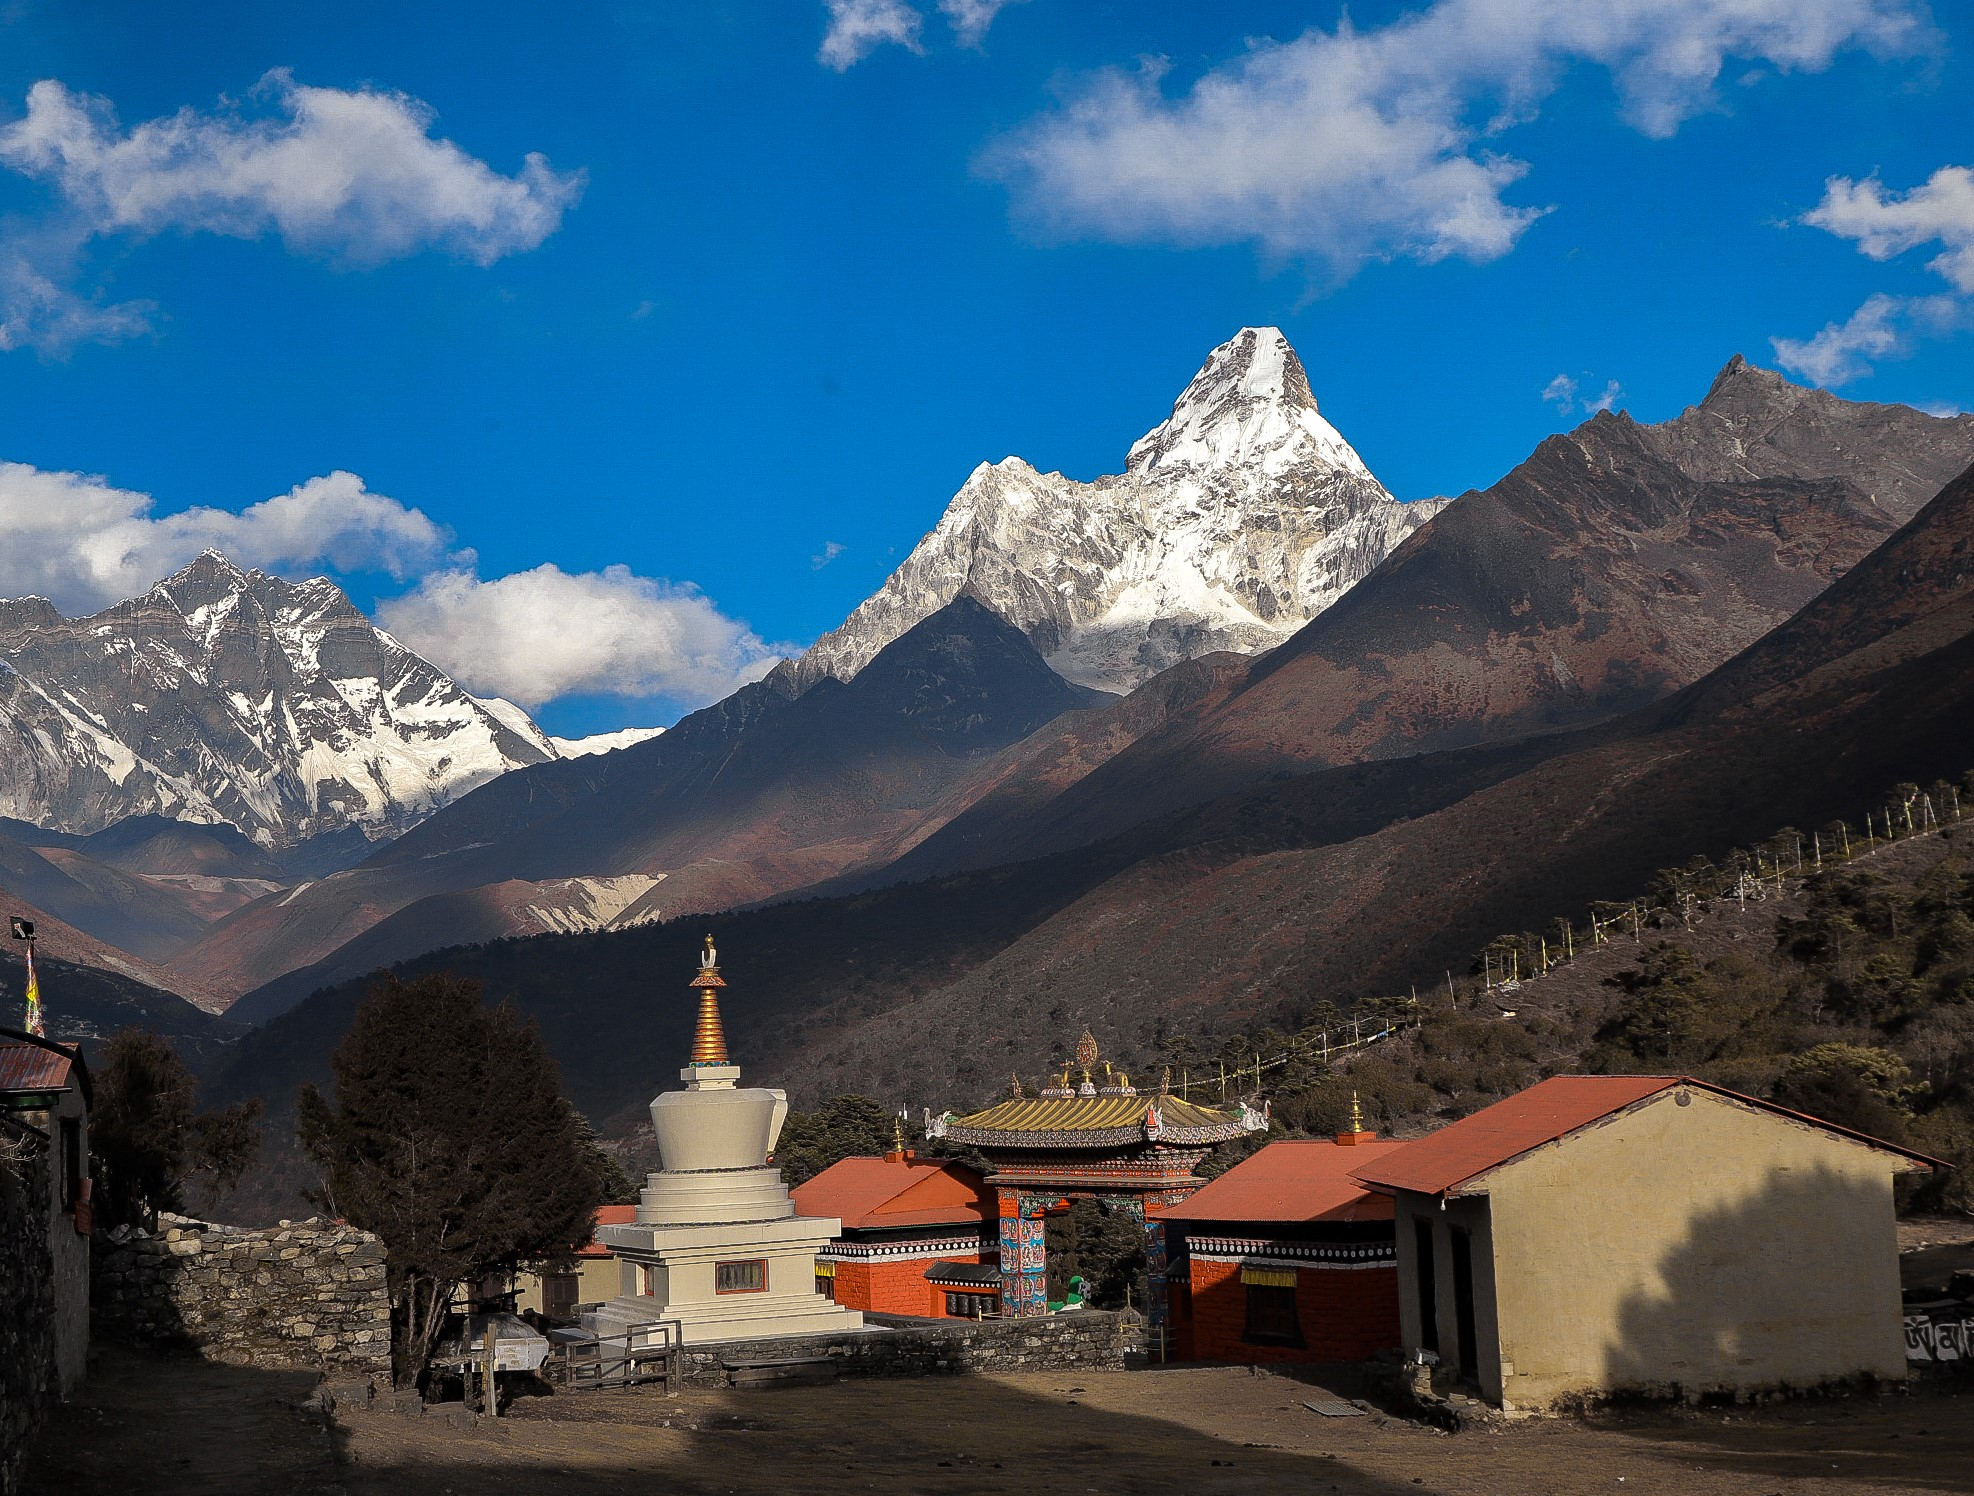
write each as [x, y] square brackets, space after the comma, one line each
[1794, 1290]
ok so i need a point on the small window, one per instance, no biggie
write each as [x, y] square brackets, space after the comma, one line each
[647, 1281]
[72, 1161]
[1271, 1316]
[826, 1287]
[740, 1277]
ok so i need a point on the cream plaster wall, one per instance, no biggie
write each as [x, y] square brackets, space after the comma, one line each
[598, 1279]
[1691, 1241]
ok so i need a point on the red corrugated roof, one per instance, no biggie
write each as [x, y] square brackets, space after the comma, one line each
[1551, 1109]
[27, 1066]
[1291, 1180]
[608, 1215]
[875, 1192]
[1493, 1135]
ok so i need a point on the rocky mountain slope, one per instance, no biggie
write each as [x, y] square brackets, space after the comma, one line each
[237, 698]
[1619, 563]
[1610, 569]
[762, 793]
[1235, 521]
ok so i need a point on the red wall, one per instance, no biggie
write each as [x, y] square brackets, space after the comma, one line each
[897, 1286]
[1345, 1315]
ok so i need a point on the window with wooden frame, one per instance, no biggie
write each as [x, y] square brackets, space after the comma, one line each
[750, 1276]
[1271, 1316]
[826, 1280]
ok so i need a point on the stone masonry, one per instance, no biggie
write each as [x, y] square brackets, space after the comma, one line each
[304, 1293]
[27, 1297]
[1087, 1340]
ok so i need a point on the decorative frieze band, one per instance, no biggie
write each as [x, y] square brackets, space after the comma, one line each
[901, 1251]
[1259, 1252]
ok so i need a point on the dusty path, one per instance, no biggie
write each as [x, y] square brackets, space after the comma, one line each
[152, 1424]
[1215, 1432]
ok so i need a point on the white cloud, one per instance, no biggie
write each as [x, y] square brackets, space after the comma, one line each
[830, 551]
[1940, 210]
[536, 635]
[531, 636]
[1344, 146]
[84, 544]
[859, 27]
[1945, 410]
[1884, 327]
[353, 173]
[1566, 395]
[36, 312]
[971, 18]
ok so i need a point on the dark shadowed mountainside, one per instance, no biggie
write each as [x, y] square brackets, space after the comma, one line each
[762, 793]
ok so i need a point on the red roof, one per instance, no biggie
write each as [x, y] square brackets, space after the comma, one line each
[1463, 1150]
[26, 1065]
[608, 1215]
[1291, 1181]
[870, 1193]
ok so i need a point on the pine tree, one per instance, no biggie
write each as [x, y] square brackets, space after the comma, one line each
[450, 1139]
[149, 1142]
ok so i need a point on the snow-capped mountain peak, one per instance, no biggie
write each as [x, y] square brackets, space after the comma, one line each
[1250, 404]
[224, 695]
[1236, 520]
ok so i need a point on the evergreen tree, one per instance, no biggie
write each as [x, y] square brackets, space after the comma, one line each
[148, 1140]
[450, 1139]
[844, 1127]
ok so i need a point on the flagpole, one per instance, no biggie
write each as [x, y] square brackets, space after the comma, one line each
[23, 930]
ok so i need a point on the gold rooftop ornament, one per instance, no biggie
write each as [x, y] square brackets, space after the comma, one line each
[709, 1040]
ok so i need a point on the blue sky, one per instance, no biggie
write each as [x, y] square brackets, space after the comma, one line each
[782, 273]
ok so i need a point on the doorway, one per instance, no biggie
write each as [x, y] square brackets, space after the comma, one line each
[1422, 1237]
[1463, 1304]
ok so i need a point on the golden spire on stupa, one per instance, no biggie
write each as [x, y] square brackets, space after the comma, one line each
[709, 1040]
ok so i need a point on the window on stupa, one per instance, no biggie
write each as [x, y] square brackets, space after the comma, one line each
[741, 1277]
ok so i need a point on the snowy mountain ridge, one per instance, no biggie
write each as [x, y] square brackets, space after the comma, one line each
[237, 697]
[1236, 520]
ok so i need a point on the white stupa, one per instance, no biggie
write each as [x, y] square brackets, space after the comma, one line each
[717, 1245]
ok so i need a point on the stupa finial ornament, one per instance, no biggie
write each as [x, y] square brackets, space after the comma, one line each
[1356, 1114]
[709, 1040]
[1086, 1053]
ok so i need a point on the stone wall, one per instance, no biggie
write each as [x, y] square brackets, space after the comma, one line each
[27, 1298]
[1087, 1340]
[304, 1293]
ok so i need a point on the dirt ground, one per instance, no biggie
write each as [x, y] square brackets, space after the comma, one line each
[1196, 1430]
[169, 1426]
[154, 1423]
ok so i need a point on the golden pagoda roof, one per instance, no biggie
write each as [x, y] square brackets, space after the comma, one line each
[1097, 1121]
